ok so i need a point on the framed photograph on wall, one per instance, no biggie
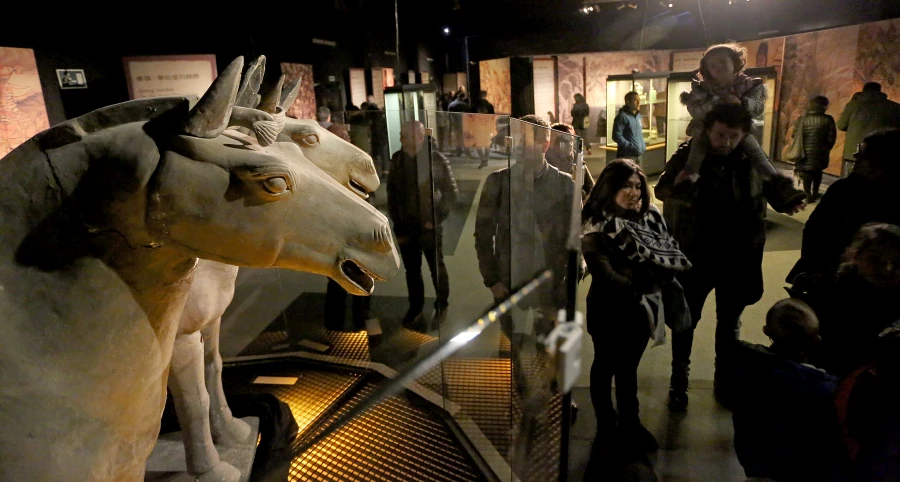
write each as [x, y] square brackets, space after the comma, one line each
[71, 79]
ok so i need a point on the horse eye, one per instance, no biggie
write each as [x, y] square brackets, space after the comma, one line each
[310, 140]
[275, 185]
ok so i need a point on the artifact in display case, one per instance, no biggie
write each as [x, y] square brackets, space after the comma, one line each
[408, 102]
[651, 88]
[138, 191]
[679, 118]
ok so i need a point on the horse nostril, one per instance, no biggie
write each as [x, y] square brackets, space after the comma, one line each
[382, 238]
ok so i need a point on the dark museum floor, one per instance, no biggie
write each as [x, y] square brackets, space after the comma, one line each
[695, 446]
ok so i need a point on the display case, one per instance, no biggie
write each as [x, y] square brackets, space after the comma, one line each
[651, 87]
[408, 102]
[679, 117]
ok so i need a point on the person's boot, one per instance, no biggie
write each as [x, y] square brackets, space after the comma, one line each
[413, 318]
[678, 393]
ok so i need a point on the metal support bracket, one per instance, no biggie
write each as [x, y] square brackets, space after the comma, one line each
[564, 343]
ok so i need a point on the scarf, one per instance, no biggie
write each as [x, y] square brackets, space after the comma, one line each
[645, 239]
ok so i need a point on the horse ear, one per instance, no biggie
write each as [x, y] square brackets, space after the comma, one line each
[248, 95]
[210, 116]
[288, 96]
[269, 102]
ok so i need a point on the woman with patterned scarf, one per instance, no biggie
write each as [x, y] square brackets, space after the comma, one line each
[634, 295]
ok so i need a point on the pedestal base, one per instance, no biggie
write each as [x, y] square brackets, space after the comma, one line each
[166, 463]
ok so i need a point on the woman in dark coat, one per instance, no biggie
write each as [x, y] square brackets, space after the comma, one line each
[632, 260]
[819, 134]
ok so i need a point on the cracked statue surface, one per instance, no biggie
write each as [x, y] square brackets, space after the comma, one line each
[105, 217]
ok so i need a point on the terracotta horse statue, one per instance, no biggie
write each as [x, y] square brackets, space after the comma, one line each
[104, 218]
[202, 410]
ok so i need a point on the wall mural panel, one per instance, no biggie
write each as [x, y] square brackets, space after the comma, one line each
[570, 72]
[304, 106]
[818, 63]
[495, 79]
[22, 110]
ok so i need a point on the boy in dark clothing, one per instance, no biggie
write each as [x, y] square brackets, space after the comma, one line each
[785, 424]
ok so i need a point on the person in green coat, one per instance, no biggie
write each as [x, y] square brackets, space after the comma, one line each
[867, 112]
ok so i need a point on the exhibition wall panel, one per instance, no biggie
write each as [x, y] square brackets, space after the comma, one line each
[836, 63]
[495, 79]
[570, 72]
[304, 106]
[22, 110]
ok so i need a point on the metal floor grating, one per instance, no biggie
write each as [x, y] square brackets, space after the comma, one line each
[313, 394]
[482, 387]
[394, 441]
[349, 345]
[399, 440]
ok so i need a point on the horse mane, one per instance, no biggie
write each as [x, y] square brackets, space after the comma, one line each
[75, 130]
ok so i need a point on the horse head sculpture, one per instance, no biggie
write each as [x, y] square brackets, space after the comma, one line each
[105, 217]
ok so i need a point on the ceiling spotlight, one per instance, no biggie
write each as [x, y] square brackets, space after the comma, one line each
[446, 31]
[633, 5]
[621, 6]
[670, 5]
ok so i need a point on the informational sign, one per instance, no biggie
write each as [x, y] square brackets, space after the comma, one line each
[357, 86]
[687, 60]
[378, 86]
[425, 77]
[168, 75]
[544, 75]
[388, 77]
[22, 110]
[411, 75]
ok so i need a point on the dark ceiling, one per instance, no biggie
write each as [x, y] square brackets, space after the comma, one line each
[495, 27]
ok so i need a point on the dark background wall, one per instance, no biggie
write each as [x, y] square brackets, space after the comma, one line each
[95, 37]
[79, 38]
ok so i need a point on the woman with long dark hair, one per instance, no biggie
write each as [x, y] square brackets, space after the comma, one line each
[634, 294]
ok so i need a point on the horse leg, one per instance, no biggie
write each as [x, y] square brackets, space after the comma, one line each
[192, 407]
[226, 430]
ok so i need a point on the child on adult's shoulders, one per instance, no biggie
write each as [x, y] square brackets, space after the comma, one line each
[721, 80]
[785, 423]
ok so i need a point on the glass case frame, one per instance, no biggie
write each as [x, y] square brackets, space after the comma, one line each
[653, 105]
[408, 102]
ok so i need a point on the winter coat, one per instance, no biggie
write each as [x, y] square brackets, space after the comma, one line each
[579, 111]
[785, 423]
[482, 106]
[458, 105]
[628, 134]
[498, 239]
[847, 205]
[718, 221]
[618, 283]
[819, 134]
[410, 193]
[866, 113]
[704, 96]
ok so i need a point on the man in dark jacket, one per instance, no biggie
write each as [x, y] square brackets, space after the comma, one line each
[627, 130]
[420, 196]
[865, 196]
[561, 155]
[819, 135]
[581, 111]
[719, 224]
[459, 106]
[868, 111]
[523, 221]
[483, 106]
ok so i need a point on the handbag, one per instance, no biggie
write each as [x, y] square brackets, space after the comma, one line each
[795, 152]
